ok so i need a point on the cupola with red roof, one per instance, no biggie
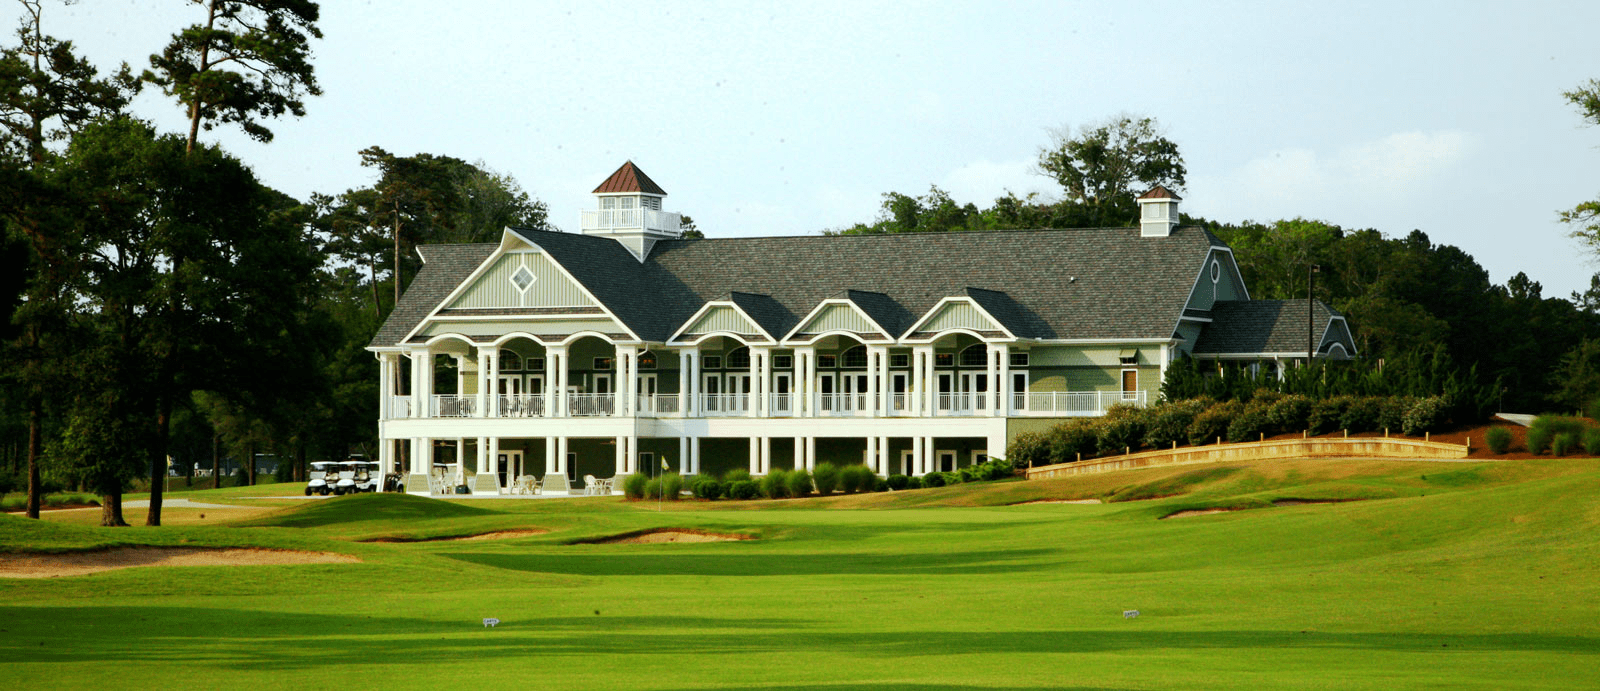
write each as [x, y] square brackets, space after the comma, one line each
[629, 211]
[1158, 212]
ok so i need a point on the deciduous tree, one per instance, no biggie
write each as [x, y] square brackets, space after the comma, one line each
[1104, 166]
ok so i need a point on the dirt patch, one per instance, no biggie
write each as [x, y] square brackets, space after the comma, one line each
[1059, 501]
[81, 563]
[1197, 512]
[496, 535]
[1302, 502]
[655, 537]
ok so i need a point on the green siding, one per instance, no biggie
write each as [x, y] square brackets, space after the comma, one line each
[839, 318]
[722, 318]
[1190, 332]
[960, 315]
[550, 288]
[1096, 356]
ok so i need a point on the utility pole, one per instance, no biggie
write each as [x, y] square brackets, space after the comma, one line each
[1311, 312]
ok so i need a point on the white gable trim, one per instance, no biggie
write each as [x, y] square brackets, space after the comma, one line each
[706, 309]
[934, 311]
[817, 311]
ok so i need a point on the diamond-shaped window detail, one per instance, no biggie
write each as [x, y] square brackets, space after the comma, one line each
[522, 278]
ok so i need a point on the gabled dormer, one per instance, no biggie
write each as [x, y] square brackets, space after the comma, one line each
[628, 210]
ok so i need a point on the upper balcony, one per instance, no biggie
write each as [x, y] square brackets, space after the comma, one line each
[625, 220]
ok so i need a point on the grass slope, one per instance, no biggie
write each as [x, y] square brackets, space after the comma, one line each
[1446, 575]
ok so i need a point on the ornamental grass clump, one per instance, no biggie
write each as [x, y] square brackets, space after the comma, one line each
[737, 475]
[826, 477]
[1562, 443]
[1591, 441]
[775, 484]
[672, 486]
[633, 486]
[1538, 440]
[1499, 439]
[799, 483]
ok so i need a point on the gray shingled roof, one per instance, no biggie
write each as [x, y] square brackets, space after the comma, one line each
[768, 313]
[1125, 286]
[1267, 326]
[444, 267]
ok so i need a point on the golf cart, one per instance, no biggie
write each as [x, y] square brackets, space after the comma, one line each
[366, 476]
[323, 475]
[346, 484]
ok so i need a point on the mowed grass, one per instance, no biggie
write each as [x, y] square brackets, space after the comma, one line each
[1442, 575]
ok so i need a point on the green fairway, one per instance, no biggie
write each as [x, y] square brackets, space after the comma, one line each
[1424, 575]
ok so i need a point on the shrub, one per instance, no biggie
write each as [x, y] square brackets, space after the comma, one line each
[880, 484]
[1362, 414]
[1029, 449]
[850, 478]
[913, 483]
[1288, 414]
[284, 472]
[1538, 440]
[672, 486]
[1559, 424]
[799, 483]
[866, 480]
[1562, 443]
[1121, 428]
[933, 480]
[1213, 422]
[1592, 411]
[1325, 414]
[1249, 424]
[8, 483]
[826, 478]
[1070, 439]
[1392, 415]
[966, 474]
[634, 485]
[707, 488]
[652, 488]
[898, 482]
[737, 475]
[1425, 415]
[1591, 441]
[775, 484]
[952, 478]
[743, 489]
[1499, 439]
[1169, 422]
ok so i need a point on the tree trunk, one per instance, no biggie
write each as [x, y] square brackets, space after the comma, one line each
[300, 464]
[111, 511]
[205, 66]
[216, 460]
[397, 252]
[372, 277]
[158, 458]
[250, 467]
[35, 420]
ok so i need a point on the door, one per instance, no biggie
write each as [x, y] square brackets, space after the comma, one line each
[509, 467]
[827, 386]
[908, 462]
[897, 387]
[976, 386]
[947, 461]
[510, 390]
[713, 393]
[601, 401]
[947, 391]
[855, 389]
[781, 403]
[1130, 384]
[739, 391]
[1019, 390]
[646, 390]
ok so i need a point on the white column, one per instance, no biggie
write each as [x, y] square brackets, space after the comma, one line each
[385, 385]
[1003, 353]
[755, 455]
[811, 453]
[914, 387]
[930, 456]
[549, 455]
[916, 456]
[684, 466]
[799, 453]
[872, 381]
[885, 391]
[806, 380]
[385, 456]
[992, 372]
[683, 383]
[766, 455]
[694, 454]
[693, 356]
[872, 453]
[621, 457]
[883, 456]
[561, 454]
[757, 355]
[493, 454]
[550, 383]
[417, 479]
[556, 363]
[628, 370]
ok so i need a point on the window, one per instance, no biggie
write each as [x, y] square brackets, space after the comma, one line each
[739, 359]
[1216, 271]
[975, 356]
[510, 361]
[944, 359]
[647, 361]
[647, 462]
[856, 357]
[522, 278]
[827, 361]
[602, 363]
[711, 362]
[1019, 359]
[536, 364]
[900, 360]
[783, 362]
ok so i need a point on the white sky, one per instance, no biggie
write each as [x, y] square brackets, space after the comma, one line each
[772, 119]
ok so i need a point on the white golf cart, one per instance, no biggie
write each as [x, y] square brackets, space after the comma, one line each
[366, 476]
[323, 476]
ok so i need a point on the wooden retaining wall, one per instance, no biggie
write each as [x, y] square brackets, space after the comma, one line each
[1360, 447]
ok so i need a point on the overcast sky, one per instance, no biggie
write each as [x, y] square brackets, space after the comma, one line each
[779, 119]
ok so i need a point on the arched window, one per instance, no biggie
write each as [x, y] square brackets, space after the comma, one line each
[975, 356]
[647, 361]
[739, 359]
[856, 357]
[510, 361]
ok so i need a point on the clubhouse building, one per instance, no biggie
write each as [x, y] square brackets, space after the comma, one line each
[624, 347]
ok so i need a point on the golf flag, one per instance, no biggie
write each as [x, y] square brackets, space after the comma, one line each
[664, 465]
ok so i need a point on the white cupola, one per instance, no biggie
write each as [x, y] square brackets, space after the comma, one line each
[1158, 212]
[629, 211]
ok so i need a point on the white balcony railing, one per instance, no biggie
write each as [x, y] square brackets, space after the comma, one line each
[725, 404]
[842, 404]
[452, 405]
[591, 404]
[522, 405]
[1073, 403]
[651, 405]
[631, 219]
[781, 404]
[399, 407]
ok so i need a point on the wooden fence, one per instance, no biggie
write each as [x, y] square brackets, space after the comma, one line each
[1359, 447]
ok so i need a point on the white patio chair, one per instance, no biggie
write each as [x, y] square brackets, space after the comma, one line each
[590, 485]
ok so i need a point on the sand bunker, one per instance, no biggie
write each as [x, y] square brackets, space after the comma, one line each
[1197, 512]
[496, 535]
[1059, 501]
[655, 537]
[80, 563]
